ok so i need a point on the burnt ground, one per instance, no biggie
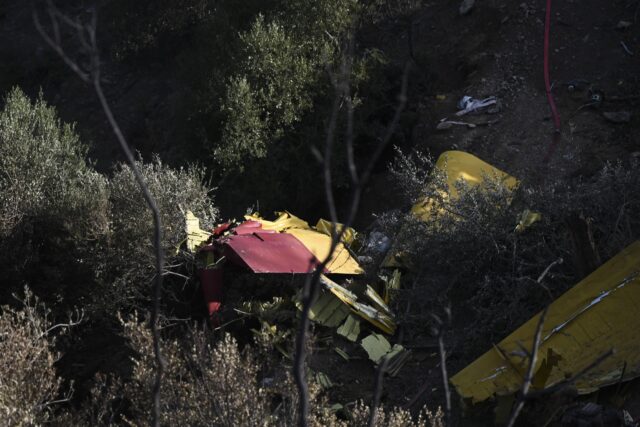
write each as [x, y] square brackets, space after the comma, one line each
[495, 50]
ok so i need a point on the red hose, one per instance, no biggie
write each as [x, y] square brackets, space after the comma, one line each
[547, 84]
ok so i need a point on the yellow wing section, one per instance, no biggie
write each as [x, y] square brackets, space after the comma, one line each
[600, 313]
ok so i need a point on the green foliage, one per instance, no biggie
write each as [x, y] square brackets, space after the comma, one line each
[245, 130]
[272, 94]
[279, 76]
[43, 171]
[69, 231]
[129, 259]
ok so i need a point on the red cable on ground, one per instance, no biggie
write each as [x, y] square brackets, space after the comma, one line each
[547, 84]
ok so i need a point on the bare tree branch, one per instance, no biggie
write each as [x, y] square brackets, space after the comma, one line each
[359, 182]
[87, 38]
[559, 386]
[528, 379]
[443, 369]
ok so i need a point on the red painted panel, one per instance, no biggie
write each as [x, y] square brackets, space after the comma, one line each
[265, 252]
[211, 282]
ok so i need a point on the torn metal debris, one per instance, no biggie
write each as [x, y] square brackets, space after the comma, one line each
[461, 166]
[457, 167]
[597, 315]
[288, 245]
[377, 348]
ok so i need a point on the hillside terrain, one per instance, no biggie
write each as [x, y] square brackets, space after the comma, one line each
[228, 109]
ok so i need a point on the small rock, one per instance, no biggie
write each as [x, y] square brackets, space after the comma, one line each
[618, 116]
[466, 6]
[622, 25]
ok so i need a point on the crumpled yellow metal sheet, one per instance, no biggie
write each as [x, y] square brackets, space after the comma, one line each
[317, 242]
[326, 227]
[284, 222]
[458, 165]
[600, 313]
[195, 235]
[380, 319]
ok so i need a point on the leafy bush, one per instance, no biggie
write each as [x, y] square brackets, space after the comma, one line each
[53, 205]
[272, 93]
[44, 172]
[283, 57]
[28, 381]
[129, 259]
[72, 233]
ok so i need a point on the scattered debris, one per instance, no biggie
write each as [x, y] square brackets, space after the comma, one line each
[350, 329]
[448, 124]
[328, 310]
[626, 49]
[391, 286]
[458, 165]
[377, 348]
[466, 6]
[377, 243]
[381, 319]
[195, 235]
[623, 25]
[582, 326]
[468, 104]
[342, 353]
[323, 380]
[527, 219]
[618, 116]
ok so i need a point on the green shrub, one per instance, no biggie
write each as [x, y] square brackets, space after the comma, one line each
[129, 257]
[53, 205]
[44, 172]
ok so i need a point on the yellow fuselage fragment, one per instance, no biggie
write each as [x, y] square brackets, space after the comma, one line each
[599, 314]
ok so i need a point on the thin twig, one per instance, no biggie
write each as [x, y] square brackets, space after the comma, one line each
[526, 384]
[559, 386]
[92, 76]
[445, 375]
[311, 283]
[546, 270]
[309, 289]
